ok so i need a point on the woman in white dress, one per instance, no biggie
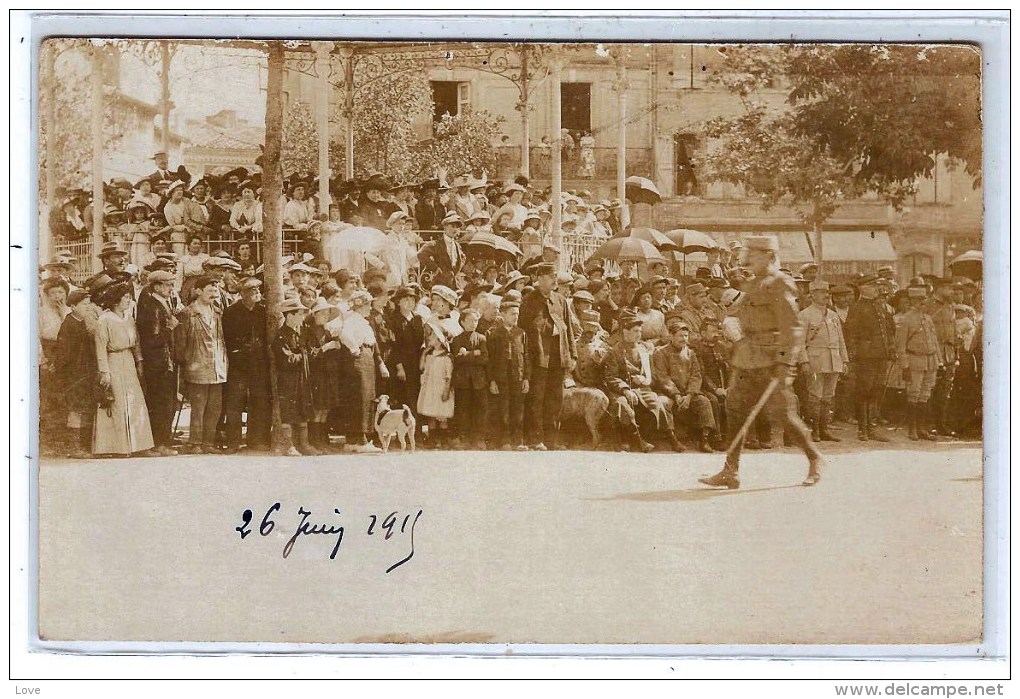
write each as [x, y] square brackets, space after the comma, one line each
[122, 419]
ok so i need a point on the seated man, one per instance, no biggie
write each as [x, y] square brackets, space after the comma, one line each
[627, 377]
[676, 373]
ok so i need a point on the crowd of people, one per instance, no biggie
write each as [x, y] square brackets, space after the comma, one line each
[524, 356]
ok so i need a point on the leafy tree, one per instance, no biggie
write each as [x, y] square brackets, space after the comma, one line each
[462, 143]
[384, 117]
[852, 119]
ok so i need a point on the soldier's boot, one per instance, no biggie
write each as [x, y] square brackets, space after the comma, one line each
[705, 444]
[638, 442]
[912, 419]
[823, 424]
[675, 442]
[862, 423]
[726, 478]
[301, 440]
[922, 433]
[815, 465]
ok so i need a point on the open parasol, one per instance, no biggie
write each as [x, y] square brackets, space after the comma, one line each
[650, 235]
[492, 241]
[970, 264]
[347, 249]
[628, 249]
[641, 190]
[689, 241]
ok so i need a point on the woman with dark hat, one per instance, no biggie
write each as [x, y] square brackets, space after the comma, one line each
[122, 419]
[67, 222]
[299, 211]
[246, 214]
[143, 193]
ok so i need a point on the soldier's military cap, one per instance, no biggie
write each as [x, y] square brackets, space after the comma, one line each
[868, 279]
[917, 292]
[841, 289]
[629, 319]
[767, 243]
[819, 286]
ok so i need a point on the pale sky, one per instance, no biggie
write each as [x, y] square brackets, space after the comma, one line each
[203, 81]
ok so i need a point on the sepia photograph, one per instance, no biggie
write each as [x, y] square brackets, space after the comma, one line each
[398, 344]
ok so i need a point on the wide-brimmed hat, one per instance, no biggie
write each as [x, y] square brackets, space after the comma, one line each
[452, 218]
[292, 304]
[112, 248]
[583, 295]
[464, 180]
[405, 292]
[445, 293]
[359, 298]
[394, 217]
[322, 304]
[302, 267]
[482, 215]
[59, 262]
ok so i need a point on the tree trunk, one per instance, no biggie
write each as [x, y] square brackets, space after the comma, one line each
[164, 100]
[817, 222]
[272, 186]
[98, 198]
[49, 125]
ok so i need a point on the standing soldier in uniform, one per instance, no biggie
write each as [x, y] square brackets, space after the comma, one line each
[943, 317]
[772, 338]
[917, 347]
[870, 340]
[827, 358]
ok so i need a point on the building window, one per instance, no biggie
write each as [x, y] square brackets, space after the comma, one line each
[575, 108]
[685, 147]
[450, 97]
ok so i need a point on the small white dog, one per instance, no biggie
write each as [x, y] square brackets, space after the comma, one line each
[390, 423]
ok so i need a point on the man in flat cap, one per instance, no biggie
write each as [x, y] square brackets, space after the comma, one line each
[676, 373]
[869, 332]
[546, 319]
[827, 359]
[245, 336]
[918, 352]
[771, 342]
[508, 372]
[156, 323]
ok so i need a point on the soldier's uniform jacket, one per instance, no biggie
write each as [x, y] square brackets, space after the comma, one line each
[917, 341]
[943, 318]
[823, 340]
[676, 371]
[771, 331]
[869, 330]
[622, 367]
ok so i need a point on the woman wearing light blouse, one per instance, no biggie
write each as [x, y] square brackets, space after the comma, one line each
[299, 211]
[246, 214]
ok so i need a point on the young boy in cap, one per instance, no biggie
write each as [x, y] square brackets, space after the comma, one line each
[77, 373]
[293, 384]
[470, 359]
[508, 371]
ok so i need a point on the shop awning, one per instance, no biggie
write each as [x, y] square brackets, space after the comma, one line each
[857, 246]
[793, 245]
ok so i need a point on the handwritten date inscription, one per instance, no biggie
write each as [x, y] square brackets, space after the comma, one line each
[392, 524]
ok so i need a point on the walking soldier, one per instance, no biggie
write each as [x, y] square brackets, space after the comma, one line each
[771, 340]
